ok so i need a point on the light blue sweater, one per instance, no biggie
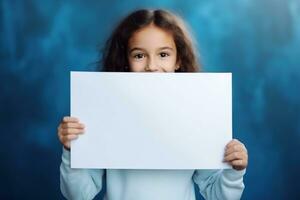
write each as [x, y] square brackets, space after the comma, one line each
[126, 184]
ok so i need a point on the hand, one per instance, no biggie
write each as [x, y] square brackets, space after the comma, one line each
[236, 155]
[68, 130]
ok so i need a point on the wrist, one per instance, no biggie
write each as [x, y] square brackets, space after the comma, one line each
[66, 148]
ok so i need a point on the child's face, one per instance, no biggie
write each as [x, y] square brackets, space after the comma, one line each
[152, 49]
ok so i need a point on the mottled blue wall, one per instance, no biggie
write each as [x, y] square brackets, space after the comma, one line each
[41, 41]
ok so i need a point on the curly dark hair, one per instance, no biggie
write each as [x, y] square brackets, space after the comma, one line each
[114, 55]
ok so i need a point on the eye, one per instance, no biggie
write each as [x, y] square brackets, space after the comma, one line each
[164, 54]
[138, 56]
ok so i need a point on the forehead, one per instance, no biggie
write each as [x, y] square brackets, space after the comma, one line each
[152, 37]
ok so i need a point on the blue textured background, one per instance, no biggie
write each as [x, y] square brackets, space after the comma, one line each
[41, 41]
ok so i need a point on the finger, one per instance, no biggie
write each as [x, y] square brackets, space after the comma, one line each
[60, 137]
[239, 163]
[234, 156]
[235, 148]
[72, 125]
[232, 142]
[68, 138]
[70, 119]
[59, 127]
[71, 131]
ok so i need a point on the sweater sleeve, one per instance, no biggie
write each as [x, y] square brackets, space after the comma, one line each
[220, 184]
[79, 184]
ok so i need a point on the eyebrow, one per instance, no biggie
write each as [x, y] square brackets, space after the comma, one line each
[142, 49]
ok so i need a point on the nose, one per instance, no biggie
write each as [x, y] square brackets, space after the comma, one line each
[152, 65]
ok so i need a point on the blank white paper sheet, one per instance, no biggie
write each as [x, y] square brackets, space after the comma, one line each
[151, 120]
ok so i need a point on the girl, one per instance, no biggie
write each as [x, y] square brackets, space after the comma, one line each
[150, 41]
